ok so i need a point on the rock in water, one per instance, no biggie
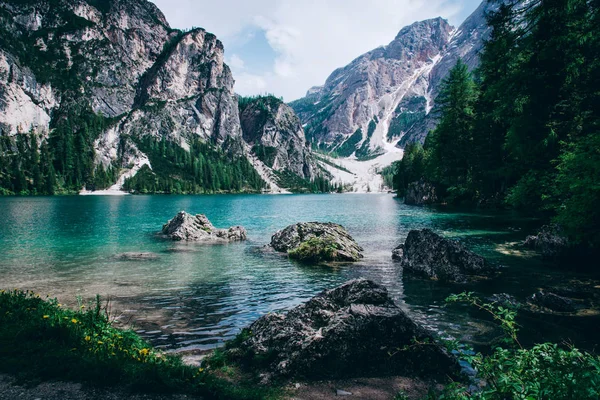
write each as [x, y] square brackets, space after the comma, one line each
[352, 330]
[420, 193]
[199, 229]
[133, 256]
[316, 241]
[426, 253]
[552, 301]
[550, 241]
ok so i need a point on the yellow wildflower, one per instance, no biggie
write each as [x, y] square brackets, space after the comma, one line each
[144, 352]
[46, 316]
[100, 342]
[87, 338]
[74, 321]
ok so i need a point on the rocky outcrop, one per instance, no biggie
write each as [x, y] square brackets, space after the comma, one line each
[352, 330]
[552, 301]
[550, 242]
[316, 241]
[197, 228]
[276, 136]
[420, 193]
[427, 254]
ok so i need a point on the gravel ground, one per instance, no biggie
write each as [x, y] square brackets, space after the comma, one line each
[11, 390]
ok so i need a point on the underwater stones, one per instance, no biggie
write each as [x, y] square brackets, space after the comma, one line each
[134, 256]
[197, 228]
[352, 330]
[552, 301]
[427, 254]
[316, 242]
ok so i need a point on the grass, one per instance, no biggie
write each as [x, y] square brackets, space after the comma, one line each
[42, 340]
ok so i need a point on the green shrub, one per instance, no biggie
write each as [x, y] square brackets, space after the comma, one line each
[42, 340]
[546, 371]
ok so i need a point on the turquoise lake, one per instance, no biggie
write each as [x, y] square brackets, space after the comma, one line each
[193, 297]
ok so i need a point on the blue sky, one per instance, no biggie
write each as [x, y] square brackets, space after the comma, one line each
[284, 47]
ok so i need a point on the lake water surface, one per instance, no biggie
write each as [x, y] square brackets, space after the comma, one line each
[193, 297]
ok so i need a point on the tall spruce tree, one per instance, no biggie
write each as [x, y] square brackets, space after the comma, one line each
[451, 144]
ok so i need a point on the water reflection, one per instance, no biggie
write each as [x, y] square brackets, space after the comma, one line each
[194, 297]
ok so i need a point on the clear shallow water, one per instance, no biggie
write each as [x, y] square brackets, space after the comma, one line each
[193, 297]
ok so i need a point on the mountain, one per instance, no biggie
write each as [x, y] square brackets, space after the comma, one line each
[276, 137]
[384, 98]
[110, 89]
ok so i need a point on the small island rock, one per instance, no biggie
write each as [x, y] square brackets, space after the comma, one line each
[352, 330]
[197, 228]
[316, 241]
[550, 242]
[428, 254]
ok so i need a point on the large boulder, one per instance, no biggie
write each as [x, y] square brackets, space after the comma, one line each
[197, 228]
[550, 242]
[428, 254]
[420, 193]
[352, 330]
[316, 241]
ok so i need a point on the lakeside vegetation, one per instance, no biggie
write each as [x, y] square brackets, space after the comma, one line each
[510, 371]
[42, 340]
[523, 131]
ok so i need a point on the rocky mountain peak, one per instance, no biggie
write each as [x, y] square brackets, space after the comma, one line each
[119, 62]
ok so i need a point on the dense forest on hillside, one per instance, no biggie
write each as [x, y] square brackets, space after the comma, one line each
[202, 169]
[524, 129]
[62, 163]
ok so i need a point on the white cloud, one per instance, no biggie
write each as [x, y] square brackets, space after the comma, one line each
[310, 38]
[250, 84]
[236, 62]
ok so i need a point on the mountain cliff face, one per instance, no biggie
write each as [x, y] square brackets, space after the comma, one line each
[119, 64]
[276, 137]
[385, 97]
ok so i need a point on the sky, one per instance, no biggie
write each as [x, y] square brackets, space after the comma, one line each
[285, 47]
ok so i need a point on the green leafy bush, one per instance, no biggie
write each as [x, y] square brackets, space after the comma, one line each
[546, 371]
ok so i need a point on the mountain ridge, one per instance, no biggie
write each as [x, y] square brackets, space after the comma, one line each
[120, 61]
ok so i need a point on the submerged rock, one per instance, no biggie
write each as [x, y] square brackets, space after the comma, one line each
[552, 301]
[352, 330]
[420, 193]
[426, 253]
[550, 242]
[505, 300]
[198, 228]
[133, 256]
[316, 241]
